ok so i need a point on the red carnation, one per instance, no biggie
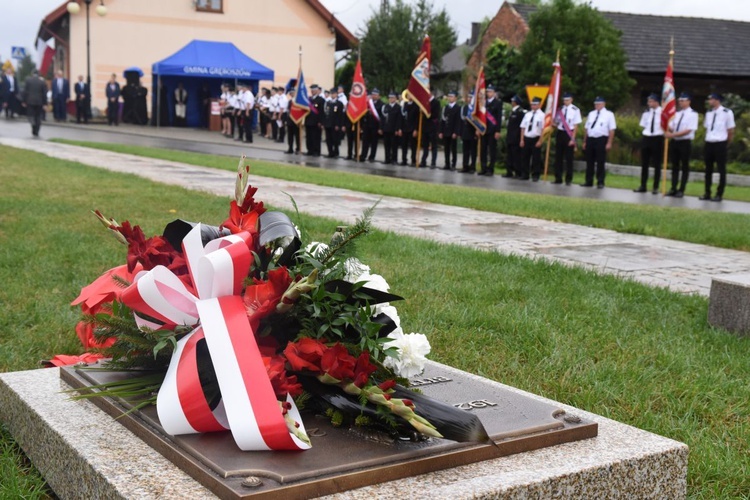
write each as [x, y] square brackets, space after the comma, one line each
[305, 354]
[338, 363]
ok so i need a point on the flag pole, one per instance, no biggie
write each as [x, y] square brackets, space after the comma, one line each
[357, 148]
[299, 125]
[549, 137]
[479, 153]
[419, 139]
[666, 139]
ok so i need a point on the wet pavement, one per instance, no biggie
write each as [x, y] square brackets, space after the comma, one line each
[202, 141]
[680, 266]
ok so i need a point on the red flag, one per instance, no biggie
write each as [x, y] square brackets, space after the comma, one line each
[356, 108]
[478, 116]
[419, 83]
[668, 105]
[45, 54]
[553, 98]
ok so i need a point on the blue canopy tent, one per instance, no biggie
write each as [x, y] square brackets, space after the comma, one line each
[202, 63]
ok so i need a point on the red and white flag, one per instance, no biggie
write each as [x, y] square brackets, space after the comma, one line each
[419, 83]
[668, 104]
[45, 53]
[356, 108]
[553, 98]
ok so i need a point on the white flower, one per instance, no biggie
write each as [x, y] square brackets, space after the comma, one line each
[412, 349]
[388, 310]
[374, 281]
[316, 249]
[354, 270]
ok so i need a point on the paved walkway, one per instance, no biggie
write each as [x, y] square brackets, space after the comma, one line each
[214, 143]
[683, 267]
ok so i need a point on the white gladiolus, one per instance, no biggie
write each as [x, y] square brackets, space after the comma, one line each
[412, 349]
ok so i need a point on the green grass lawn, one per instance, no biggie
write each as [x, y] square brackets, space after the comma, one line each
[710, 228]
[640, 355]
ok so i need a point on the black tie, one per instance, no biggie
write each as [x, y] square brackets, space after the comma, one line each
[653, 115]
[713, 122]
[531, 122]
[679, 122]
[566, 115]
[595, 120]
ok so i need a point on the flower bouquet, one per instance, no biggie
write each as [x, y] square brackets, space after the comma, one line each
[239, 327]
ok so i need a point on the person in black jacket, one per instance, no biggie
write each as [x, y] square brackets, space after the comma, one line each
[372, 127]
[430, 131]
[34, 99]
[83, 99]
[409, 119]
[450, 129]
[513, 139]
[113, 100]
[313, 122]
[391, 128]
[492, 135]
[469, 140]
[334, 122]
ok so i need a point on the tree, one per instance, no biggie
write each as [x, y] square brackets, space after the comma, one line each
[392, 38]
[591, 56]
[502, 66]
[25, 67]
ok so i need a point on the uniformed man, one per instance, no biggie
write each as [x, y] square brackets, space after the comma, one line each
[372, 127]
[599, 133]
[719, 123]
[468, 139]
[342, 96]
[682, 132]
[531, 141]
[430, 131]
[567, 121]
[313, 122]
[292, 130]
[283, 109]
[391, 128]
[652, 145]
[450, 129]
[248, 103]
[265, 114]
[333, 123]
[492, 134]
[410, 119]
[514, 154]
[239, 111]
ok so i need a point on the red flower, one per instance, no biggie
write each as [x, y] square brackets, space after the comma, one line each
[262, 297]
[338, 363]
[387, 385]
[151, 252]
[363, 369]
[64, 359]
[103, 290]
[85, 332]
[239, 220]
[282, 383]
[305, 354]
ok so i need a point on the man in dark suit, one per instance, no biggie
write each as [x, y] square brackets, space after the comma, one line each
[60, 96]
[314, 122]
[513, 139]
[334, 122]
[83, 99]
[492, 135]
[9, 90]
[391, 128]
[450, 129]
[409, 121]
[469, 140]
[430, 130]
[113, 100]
[34, 99]
[372, 127]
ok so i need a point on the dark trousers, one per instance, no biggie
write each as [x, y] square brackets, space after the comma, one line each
[596, 155]
[82, 111]
[274, 130]
[450, 148]
[332, 142]
[247, 123]
[292, 136]
[112, 110]
[263, 123]
[429, 140]
[34, 113]
[681, 163]
[390, 143]
[470, 154]
[239, 125]
[532, 157]
[351, 141]
[652, 152]
[715, 153]
[513, 159]
[59, 109]
[489, 152]
[563, 157]
[369, 143]
[313, 135]
[282, 128]
[409, 143]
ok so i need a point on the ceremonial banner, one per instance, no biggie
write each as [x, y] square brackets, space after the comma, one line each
[668, 105]
[45, 52]
[539, 91]
[478, 113]
[356, 108]
[300, 106]
[553, 98]
[419, 83]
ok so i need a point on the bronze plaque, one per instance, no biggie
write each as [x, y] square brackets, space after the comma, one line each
[343, 459]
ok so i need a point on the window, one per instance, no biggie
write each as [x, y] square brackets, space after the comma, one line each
[209, 6]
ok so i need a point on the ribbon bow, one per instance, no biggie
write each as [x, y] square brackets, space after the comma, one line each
[248, 406]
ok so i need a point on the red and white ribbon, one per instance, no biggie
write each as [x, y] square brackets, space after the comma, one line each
[248, 406]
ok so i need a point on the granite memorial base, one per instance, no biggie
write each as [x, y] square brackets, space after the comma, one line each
[729, 303]
[84, 453]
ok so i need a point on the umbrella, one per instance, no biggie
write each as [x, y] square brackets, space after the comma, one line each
[133, 69]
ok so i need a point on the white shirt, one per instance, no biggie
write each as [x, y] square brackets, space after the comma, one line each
[248, 100]
[570, 114]
[532, 124]
[600, 123]
[651, 122]
[234, 101]
[12, 82]
[273, 103]
[263, 101]
[685, 119]
[717, 122]
[283, 103]
[343, 99]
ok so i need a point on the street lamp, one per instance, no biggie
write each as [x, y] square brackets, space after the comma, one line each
[75, 8]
